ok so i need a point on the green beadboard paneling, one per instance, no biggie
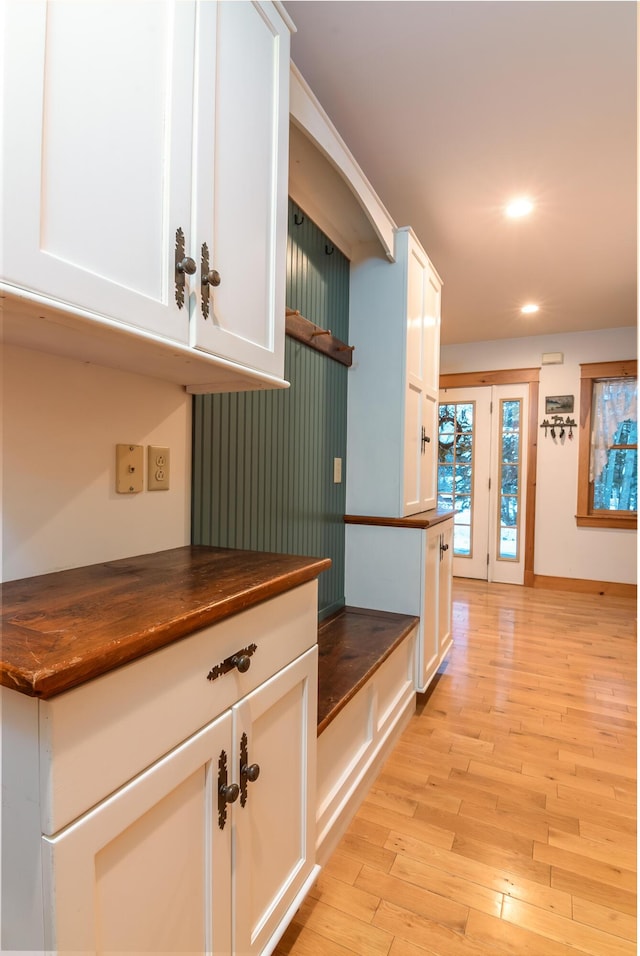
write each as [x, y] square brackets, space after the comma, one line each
[263, 460]
[317, 282]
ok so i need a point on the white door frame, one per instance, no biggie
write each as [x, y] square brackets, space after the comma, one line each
[530, 376]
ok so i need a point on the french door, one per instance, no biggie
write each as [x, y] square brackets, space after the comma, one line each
[482, 464]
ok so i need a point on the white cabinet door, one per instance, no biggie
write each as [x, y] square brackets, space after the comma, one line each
[428, 654]
[392, 411]
[436, 598]
[240, 188]
[444, 587]
[149, 869]
[421, 380]
[97, 155]
[431, 393]
[275, 828]
[414, 382]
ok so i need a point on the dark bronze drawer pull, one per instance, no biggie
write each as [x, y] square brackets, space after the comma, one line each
[241, 661]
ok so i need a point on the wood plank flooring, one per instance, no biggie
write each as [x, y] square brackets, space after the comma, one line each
[504, 820]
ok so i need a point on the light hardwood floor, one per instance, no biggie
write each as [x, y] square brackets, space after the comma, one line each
[504, 820]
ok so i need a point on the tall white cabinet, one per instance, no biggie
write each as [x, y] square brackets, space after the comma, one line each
[393, 385]
[145, 176]
[398, 547]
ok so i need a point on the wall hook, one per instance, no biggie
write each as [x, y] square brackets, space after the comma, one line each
[321, 332]
[329, 251]
[297, 221]
[561, 424]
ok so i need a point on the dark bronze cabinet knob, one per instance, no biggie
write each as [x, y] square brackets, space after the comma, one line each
[242, 662]
[230, 792]
[211, 278]
[186, 265]
[252, 772]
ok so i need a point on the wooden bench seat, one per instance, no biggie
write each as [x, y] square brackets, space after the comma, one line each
[352, 644]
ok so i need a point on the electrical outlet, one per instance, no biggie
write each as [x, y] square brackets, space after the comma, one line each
[157, 468]
[337, 471]
[129, 469]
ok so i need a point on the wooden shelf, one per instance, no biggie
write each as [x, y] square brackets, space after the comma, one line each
[322, 340]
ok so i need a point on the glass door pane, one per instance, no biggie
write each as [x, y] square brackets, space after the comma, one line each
[455, 470]
[509, 468]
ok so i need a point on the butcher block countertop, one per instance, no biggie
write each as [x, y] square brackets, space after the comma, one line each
[65, 628]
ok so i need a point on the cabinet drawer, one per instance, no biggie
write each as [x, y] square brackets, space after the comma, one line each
[96, 737]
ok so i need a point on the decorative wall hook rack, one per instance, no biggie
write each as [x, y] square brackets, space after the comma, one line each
[558, 426]
[322, 340]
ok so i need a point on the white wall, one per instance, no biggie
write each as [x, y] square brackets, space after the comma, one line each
[561, 548]
[61, 422]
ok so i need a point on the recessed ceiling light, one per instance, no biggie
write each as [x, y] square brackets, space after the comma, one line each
[519, 207]
[530, 308]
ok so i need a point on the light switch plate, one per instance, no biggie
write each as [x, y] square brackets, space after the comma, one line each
[157, 468]
[129, 469]
[337, 471]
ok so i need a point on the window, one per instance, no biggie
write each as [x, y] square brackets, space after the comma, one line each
[608, 453]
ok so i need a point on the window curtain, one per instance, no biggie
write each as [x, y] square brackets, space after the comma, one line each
[614, 402]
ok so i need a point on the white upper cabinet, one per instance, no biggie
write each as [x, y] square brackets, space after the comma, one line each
[393, 386]
[241, 176]
[421, 382]
[131, 128]
[98, 155]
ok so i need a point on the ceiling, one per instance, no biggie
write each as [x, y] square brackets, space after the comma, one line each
[453, 108]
